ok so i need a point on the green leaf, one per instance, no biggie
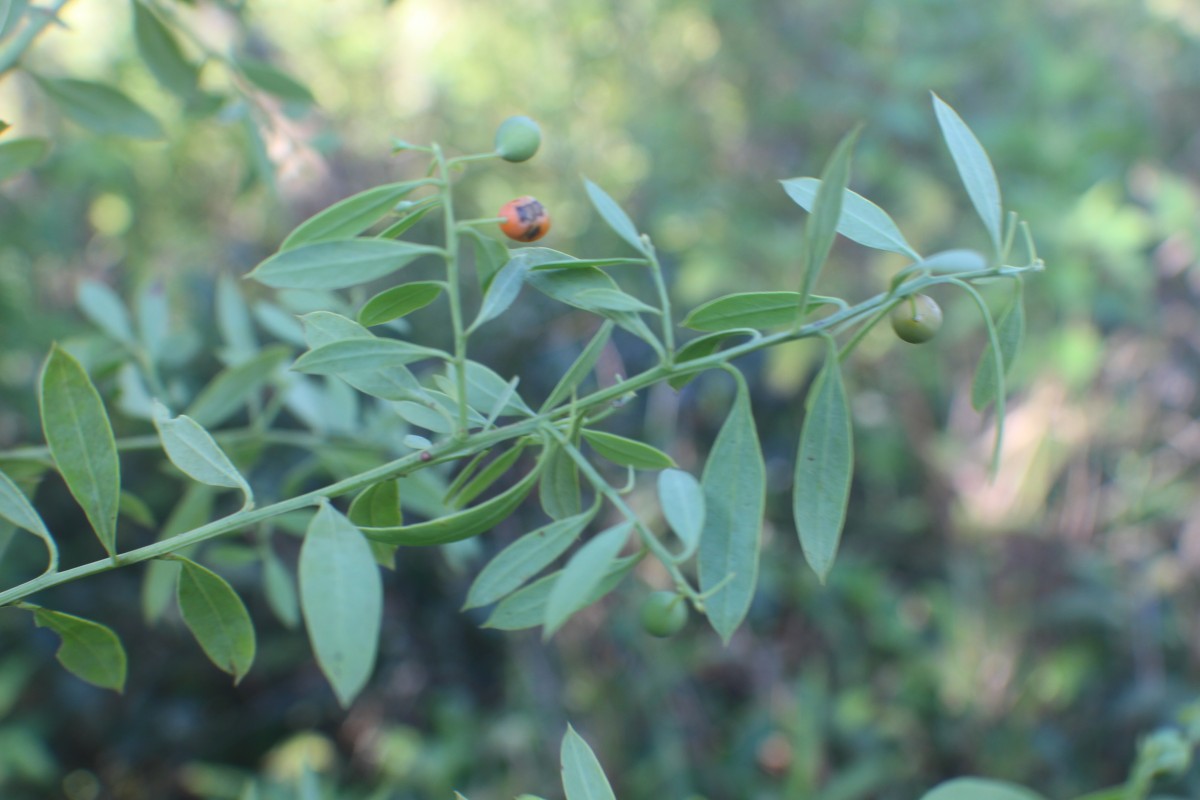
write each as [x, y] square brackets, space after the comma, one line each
[17, 509]
[196, 453]
[973, 166]
[399, 301]
[980, 789]
[377, 506]
[337, 264]
[162, 54]
[504, 286]
[217, 617]
[18, 155]
[11, 12]
[614, 216]
[100, 108]
[487, 390]
[341, 594]
[996, 349]
[490, 255]
[759, 310]
[627, 452]
[953, 261]
[279, 323]
[682, 500]
[1010, 330]
[735, 485]
[460, 525]
[583, 573]
[581, 368]
[349, 217]
[397, 383]
[567, 286]
[821, 228]
[526, 608]
[134, 508]
[498, 467]
[234, 323]
[89, 651]
[411, 216]
[582, 776]
[105, 309]
[699, 348]
[601, 300]
[81, 441]
[425, 417]
[153, 320]
[273, 81]
[824, 467]
[357, 355]
[194, 509]
[862, 221]
[280, 589]
[524, 558]
[232, 388]
[559, 487]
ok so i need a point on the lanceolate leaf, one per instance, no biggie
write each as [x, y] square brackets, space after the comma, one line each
[89, 650]
[582, 776]
[751, 310]
[233, 388]
[106, 310]
[351, 216]
[357, 355]
[559, 488]
[193, 510]
[583, 574]
[525, 558]
[280, 589]
[682, 500]
[17, 509]
[862, 221]
[196, 453]
[1010, 330]
[273, 81]
[974, 167]
[627, 452]
[581, 368]
[824, 466]
[377, 506]
[699, 348]
[614, 216]
[100, 108]
[821, 228]
[981, 789]
[81, 441]
[734, 483]
[160, 50]
[341, 595]
[399, 301]
[217, 617]
[613, 300]
[395, 383]
[526, 608]
[337, 264]
[460, 525]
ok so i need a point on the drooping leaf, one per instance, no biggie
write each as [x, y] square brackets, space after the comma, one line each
[734, 483]
[377, 506]
[614, 216]
[459, 525]
[341, 595]
[526, 608]
[582, 776]
[18, 155]
[571, 286]
[503, 288]
[280, 589]
[100, 108]
[349, 217]
[357, 355]
[81, 441]
[90, 651]
[682, 500]
[337, 264]
[196, 453]
[559, 487]
[399, 301]
[17, 509]
[273, 81]
[581, 368]
[194, 509]
[1010, 330]
[105, 309]
[583, 573]
[160, 50]
[821, 228]
[824, 467]
[760, 310]
[974, 167]
[627, 452]
[524, 558]
[980, 789]
[862, 221]
[217, 617]
[232, 388]
[996, 349]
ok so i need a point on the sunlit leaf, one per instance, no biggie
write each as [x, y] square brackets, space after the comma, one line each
[821, 228]
[862, 221]
[614, 216]
[357, 355]
[217, 617]
[974, 167]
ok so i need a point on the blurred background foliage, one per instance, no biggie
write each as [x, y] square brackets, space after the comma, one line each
[1029, 628]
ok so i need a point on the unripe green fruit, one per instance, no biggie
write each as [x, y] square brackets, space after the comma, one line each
[518, 138]
[664, 614]
[917, 318]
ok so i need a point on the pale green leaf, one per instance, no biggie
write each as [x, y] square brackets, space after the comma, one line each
[580, 368]
[583, 573]
[862, 221]
[196, 453]
[100, 108]
[627, 452]
[232, 388]
[524, 558]
[18, 155]
[105, 309]
[682, 500]
[614, 216]
[217, 617]
[357, 355]
[1010, 330]
[160, 50]
[526, 608]
[273, 81]
[979, 789]
[582, 776]
[974, 167]
[759, 310]
[90, 651]
[399, 301]
[821, 228]
[17, 509]
[351, 216]
[337, 264]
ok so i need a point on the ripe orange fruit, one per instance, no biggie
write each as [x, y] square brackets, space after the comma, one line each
[525, 219]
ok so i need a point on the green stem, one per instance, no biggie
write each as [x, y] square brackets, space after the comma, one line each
[664, 300]
[36, 21]
[454, 292]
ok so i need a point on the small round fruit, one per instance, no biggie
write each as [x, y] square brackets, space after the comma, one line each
[518, 138]
[664, 614]
[525, 219]
[917, 319]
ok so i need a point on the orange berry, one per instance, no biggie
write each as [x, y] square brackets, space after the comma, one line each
[525, 219]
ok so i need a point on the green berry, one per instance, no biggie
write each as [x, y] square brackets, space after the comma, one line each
[518, 138]
[917, 318]
[664, 614]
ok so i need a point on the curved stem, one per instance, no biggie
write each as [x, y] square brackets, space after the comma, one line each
[454, 292]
